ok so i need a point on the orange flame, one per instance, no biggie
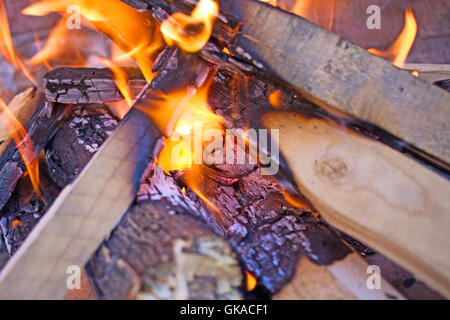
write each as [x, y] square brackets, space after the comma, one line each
[251, 281]
[23, 142]
[275, 99]
[192, 32]
[62, 46]
[321, 12]
[133, 31]
[120, 79]
[399, 50]
[7, 47]
[186, 111]
[16, 223]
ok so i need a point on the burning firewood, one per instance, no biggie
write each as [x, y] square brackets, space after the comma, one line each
[80, 135]
[160, 252]
[88, 85]
[257, 41]
[147, 230]
[40, 129]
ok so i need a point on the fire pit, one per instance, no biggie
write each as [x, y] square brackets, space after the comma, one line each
[222, 150]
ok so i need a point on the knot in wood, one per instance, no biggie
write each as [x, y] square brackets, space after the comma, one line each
[332, 168]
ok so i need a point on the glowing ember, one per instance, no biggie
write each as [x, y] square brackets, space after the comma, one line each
[7, 47]
[275, 99]
[23, 143]
[399, 50]
[16, 223]
[192, 32]
[251, 281]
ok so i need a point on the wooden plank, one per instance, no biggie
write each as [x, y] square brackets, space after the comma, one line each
[83, 214]
[87, 210]
[336, 73]
[345, 279]
[372, 192]
[429, 72]
[333, 72]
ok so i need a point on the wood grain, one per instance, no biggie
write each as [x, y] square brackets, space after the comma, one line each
[371, 192]
[333, 72]
[429, 72]
[336, 73]
[345, 279]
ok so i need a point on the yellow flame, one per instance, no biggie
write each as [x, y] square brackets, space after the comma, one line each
[62, 46]
[134, 32]
[251, 281]
[120, 79]
[192, 32]
[399, 50]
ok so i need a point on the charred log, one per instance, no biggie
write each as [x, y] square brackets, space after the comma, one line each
[41, 128]
[269, 234]
[24, 209]
[158, 251]
[79, 137]
[88, 85]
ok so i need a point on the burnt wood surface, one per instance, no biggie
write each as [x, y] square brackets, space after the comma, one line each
[268, 232]
[41, 128]
[88, 85]
[156, 250]
[343, 66]
[80, 135]
[24, 209]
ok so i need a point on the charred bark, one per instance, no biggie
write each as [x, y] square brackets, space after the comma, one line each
[24, 209]
[41, 128]
[158, 251]
[79, 137]
[269, 233]
[88, 85]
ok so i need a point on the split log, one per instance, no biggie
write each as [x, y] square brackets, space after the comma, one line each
[342, 280]
[21, 107]
[110, 181]
[41, 127]
[343, 77]
[80, 135]
[160, 252]
[429, 72]
[83, 214]
[269, 234]
[89, 85]
[24, 209]
[402, 216]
